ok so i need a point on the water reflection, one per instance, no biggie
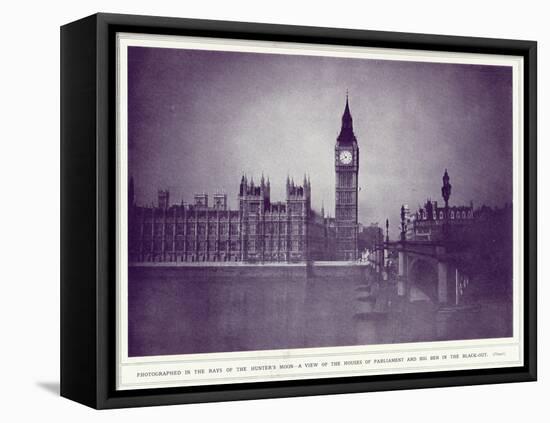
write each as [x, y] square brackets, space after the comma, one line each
[175, 312]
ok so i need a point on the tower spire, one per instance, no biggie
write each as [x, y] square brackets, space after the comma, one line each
[346, 117]
[346, 132]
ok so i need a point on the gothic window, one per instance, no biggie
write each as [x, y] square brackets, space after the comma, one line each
[190, 229]
[345, 180]
[234, 228]
[254, 208]
[344, 232]
[345, 197]
[212, 229]
[344, 214]
[223, 229]
[441, 215]
[201, 228]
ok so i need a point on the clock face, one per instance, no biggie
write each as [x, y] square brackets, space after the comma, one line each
[345, 157]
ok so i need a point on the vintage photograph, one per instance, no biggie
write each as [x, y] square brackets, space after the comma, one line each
[287, 201]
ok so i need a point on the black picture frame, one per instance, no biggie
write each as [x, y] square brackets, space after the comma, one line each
[88, 193]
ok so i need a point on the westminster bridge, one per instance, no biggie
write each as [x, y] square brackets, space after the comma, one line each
[426, 270]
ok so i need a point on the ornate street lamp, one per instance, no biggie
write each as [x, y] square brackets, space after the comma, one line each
[446, 193]
[403, 224]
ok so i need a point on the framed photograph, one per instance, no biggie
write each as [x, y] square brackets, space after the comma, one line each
[256, 211]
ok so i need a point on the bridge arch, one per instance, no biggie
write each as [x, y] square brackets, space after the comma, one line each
[425, 267]
[423, 278]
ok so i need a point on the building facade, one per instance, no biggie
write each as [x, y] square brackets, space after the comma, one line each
[260, 230]
[428, 223]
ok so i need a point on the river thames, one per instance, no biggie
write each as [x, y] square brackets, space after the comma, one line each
[172, 311]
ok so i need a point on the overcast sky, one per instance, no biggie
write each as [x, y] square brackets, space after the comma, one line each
[199, 119]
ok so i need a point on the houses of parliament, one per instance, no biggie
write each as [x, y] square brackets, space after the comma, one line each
[261, 230]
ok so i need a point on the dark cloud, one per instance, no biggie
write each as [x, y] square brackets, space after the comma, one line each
[198, 119]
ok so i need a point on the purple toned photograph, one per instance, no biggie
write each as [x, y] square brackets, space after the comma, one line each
[282, 201]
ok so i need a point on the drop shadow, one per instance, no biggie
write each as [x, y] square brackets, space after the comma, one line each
[51, 387]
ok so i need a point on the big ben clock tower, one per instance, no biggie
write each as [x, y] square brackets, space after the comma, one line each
[346, 164]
